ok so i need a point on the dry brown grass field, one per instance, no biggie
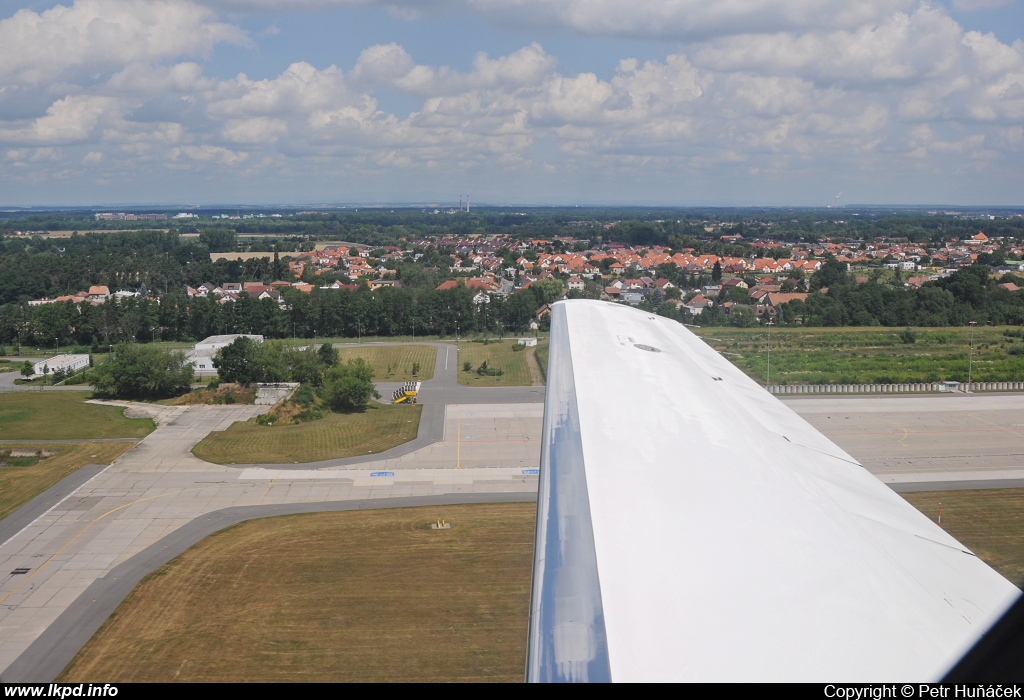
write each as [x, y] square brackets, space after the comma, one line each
[19, 485]
[990, 523]
[331, 597]
[378, 428]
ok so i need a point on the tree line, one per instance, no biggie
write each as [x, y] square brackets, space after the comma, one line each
[323, 313]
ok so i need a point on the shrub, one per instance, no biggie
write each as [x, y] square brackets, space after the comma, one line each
[467, 366]
[1016, 349]
[143, 372]
[349, 386]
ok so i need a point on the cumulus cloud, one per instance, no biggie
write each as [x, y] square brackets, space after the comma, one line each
[90, 35]
[871, 85]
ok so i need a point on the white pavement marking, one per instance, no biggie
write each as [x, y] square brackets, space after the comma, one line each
[958, 475]
[159, 486]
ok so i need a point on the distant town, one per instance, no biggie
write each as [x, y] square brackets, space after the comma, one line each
[387, 273]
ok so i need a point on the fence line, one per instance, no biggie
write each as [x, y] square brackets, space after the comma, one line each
[908, 388]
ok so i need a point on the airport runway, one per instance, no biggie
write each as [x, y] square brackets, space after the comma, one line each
[85, 542]
[930, 442]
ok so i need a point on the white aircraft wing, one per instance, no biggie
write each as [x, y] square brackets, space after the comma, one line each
[692, 527]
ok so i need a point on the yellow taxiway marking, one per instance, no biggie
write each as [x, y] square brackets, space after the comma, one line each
[269, 486]
[983, 420]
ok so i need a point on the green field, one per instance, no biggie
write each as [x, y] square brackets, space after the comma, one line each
[393, 363]
[499, 355]
[64, 415]
[990, 523]
[21, 484]
[336, 435]
[331, 597]
[869, 354]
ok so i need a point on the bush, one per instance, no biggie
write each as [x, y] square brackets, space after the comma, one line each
[908, 337]
[484, 371]
[143, 372]
[1016, 349]
[349, 386]
[467, 366]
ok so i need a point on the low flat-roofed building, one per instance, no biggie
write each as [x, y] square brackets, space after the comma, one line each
[201, 356]
[68, 363]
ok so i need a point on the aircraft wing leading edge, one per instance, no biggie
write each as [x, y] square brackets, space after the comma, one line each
[692, 527]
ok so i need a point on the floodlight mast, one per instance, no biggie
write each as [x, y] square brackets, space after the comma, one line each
[970, 361]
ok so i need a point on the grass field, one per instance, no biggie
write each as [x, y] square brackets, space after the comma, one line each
[331, 597]
[64, 415]
[393, 363]
[499, 355]
[990, 523]
[542, 359]
[377, 596]
[869, 354]
[335, 435]
[19, 485]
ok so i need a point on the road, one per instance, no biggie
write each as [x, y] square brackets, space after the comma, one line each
[86, 541]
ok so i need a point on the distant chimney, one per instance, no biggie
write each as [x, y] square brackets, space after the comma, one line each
[467, 203]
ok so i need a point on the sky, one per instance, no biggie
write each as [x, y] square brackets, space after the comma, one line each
[512, 102]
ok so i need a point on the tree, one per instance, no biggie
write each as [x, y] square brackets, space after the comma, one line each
[143, 372]
[219, 240]
[716, 272]
[27, 369]
[328, 355]
[349, 386]
[239, 361]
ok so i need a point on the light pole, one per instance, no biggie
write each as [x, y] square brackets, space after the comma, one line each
[768, 378]
[970, 361]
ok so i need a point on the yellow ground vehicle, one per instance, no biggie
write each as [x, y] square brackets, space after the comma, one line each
[407, 393]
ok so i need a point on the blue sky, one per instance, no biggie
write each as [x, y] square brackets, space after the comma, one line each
[511, 101]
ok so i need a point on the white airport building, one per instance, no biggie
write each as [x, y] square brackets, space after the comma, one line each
[68, 363]
[201, 356]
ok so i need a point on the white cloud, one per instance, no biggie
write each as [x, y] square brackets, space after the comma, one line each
[69, 120]
[860, 94]
[209, 154]
[98, 35]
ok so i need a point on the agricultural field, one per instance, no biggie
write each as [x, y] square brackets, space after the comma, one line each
[65, 415]
[336, 435]
[498, 355]
[394, 363]
[24, 478]
[990, 523]
[369, 596]
[856, 355]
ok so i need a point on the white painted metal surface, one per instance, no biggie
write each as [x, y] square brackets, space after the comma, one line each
[692, 527]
